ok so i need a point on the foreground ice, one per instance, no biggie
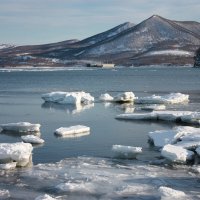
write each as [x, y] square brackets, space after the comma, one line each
[127, 152]
[44, 197]
[32, 139]
[106, 97]
[90, 178]
[21, 127]
[169, 194]
[73, 98]
[72, 130]
[185, 133]
[125, 97]
[176, 154]
[172, 98]
[20, 152]
[4, 194]
[173, 116]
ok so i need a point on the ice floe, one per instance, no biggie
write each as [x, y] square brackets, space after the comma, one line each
[20, 152]
[169, 194]
[106, 97]
[128, 152]
[173, 116]
[198, 150]
[32, 139]
[176, 154]
[72, 130]
[21, 127]
[73, 98]
[44, 197]
[172, 136]
[125, 97]
[172, 98]
[4, 194]
[7, 166]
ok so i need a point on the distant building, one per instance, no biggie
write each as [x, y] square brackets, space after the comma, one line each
[102, 65]
[197, 58]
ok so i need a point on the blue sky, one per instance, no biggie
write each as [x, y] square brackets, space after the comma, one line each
[45, 21]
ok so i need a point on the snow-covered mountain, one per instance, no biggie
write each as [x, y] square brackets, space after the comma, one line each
[155, 40]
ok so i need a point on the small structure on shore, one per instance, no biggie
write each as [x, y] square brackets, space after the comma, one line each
[197, 58]
[101, 65]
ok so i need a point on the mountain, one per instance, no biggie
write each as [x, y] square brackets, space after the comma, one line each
[155, 40]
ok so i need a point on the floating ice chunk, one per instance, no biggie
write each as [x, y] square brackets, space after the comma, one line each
[106, 97]
[154, 107]
[172, 98]
[18, 152]
[191, 145]
[169, 194]
[32, 139]
[44, 197]
[192, 118]
[68, 97]
[65, 131]
[77, 187]
[125, 97]
[198, 150]
[196, 169]
[21, 127]
[128, 152]
[7, 166]
[176, 154]
[163, 137]
[4, 194]
[138, 116]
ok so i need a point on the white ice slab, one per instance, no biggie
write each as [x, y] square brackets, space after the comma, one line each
[64, 131]
[172, 98]
[106, 97]
[190, 145]
[32, 139]
[127, 152]
[68, 97]
[167, 193]
[17, 152]
[44, 197]
[173, 116]
[21, 127]
[8, 166]
[176, 154]
[125, 97]
[4, 194]
[163, 137]
[192, 118]
[154, 107]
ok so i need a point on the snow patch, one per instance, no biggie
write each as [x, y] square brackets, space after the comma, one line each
[170, 52]
[127, 152]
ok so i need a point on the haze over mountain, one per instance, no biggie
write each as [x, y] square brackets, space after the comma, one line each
[155, 40]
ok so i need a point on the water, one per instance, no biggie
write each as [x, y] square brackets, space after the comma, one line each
[20, 100]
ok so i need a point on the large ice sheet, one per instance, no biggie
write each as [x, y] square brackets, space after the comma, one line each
[32, 139]
[125, 97]
[173, 116]
[128, 152]
[172, 98]
[176, 154]
[169, 194]
[18, 152]
[68, 97]
[184, 133]
[21, 127]
[65, 131]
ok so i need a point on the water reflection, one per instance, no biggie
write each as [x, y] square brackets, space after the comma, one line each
[124, 107]
[68, 108]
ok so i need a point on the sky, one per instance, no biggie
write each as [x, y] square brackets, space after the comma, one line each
[46, 21]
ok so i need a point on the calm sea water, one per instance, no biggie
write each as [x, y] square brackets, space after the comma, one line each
[20, 100]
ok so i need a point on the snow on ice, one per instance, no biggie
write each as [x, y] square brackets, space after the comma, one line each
[172, 98]
[125, 97]
[176, 154]
[127, 152]
[32, 139]
[72, 130]
[68, 97]
[20, 152]
[106, 97]
[21, 127]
